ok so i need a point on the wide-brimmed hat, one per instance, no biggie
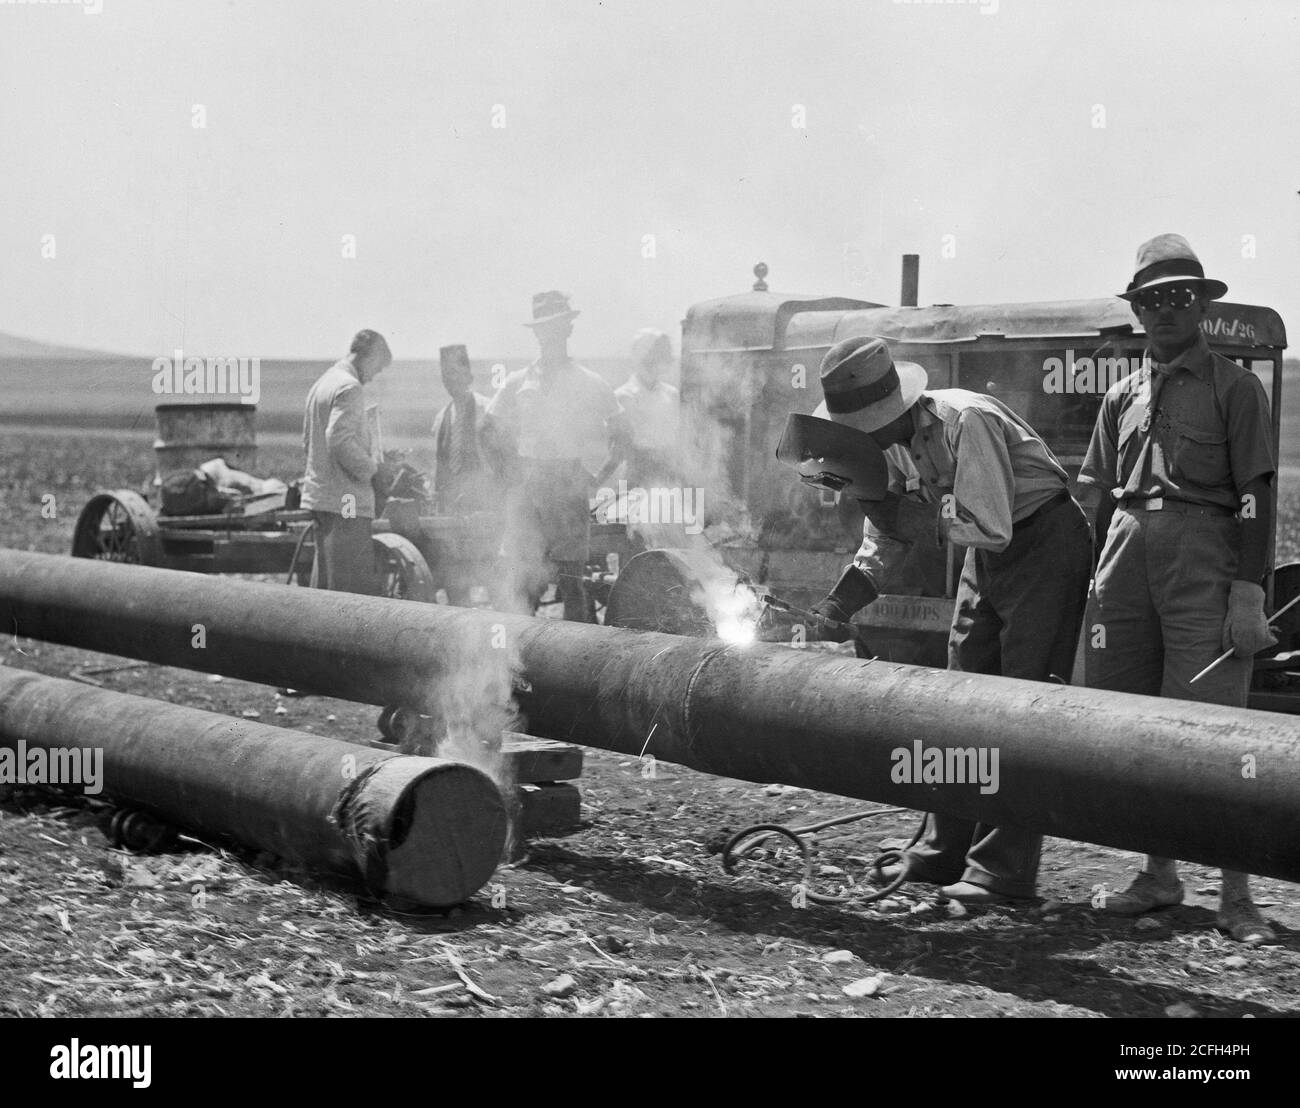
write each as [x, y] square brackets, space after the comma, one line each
[1165, 260]
[834, 456]
[864, 387]
[550, 307]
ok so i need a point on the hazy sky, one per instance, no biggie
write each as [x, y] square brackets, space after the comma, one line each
[621, 120]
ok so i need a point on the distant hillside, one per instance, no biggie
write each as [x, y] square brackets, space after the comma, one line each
[14, 346]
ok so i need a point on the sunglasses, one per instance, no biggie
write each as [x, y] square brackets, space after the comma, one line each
[1178, 297]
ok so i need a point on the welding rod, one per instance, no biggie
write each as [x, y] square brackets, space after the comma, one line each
[784, 606]
[1228, 653]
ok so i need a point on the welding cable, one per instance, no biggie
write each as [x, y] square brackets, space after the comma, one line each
[293, 562]
[749, 839]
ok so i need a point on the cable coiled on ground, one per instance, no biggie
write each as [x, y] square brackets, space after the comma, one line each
[750, 838]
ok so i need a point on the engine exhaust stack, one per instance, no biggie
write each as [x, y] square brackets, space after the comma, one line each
[907, 297]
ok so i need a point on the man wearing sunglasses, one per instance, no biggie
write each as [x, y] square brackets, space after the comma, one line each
[1180, 467]
[962, 467]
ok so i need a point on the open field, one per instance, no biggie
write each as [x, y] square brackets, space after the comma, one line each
[116, 393]
[634, 907]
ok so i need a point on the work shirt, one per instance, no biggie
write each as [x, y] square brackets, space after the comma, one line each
[568, 413]
[1206, 437]
[337, 444]
[651, 414]
[976, 449]
[461, 476]
[652, 417]
[456, 433]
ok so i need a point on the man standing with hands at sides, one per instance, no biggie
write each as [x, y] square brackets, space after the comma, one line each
[965, 468]
[651, 407]
[462, 475]
[565, 424]
[1180, 468]
[337, 486]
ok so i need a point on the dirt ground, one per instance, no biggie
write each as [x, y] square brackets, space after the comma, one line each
[631, 915]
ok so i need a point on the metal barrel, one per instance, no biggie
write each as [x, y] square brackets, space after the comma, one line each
[1187, 780]
[191, 434]
[428, 831]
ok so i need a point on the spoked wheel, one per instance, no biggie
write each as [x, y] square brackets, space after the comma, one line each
[118, 526]
[403, 572]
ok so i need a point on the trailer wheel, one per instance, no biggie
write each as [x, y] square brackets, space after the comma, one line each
[118, 526]
[403, 572]
[415, 734]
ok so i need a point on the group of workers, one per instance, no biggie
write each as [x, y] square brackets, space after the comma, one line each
[553, 433]
[1166, 555]
[1177, 481]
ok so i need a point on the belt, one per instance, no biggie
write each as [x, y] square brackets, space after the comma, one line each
[1180, 507]
[1060, 498]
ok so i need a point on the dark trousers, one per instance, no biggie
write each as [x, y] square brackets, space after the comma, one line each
[345, 555]
[548, 533]
[1018, 615]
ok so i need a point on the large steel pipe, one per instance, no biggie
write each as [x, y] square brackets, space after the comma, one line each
[424, 830]
[1193, 781]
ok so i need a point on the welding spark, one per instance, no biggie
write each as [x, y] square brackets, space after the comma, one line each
[736, 615]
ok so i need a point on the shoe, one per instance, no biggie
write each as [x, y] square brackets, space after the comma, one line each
[1143, 894]
[1243, 922]
[918, 873]
[970, 893]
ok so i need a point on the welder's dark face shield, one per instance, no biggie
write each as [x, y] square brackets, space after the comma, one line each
[832, 456]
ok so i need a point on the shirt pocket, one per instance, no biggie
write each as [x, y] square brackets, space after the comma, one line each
[1200, 455]
[1128, 444]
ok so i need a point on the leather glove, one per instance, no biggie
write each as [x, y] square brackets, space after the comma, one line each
[1246, 628]
[901, 517]
[837, 629]
[382, 481]
[854, 590]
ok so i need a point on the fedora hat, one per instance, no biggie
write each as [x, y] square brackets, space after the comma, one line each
[864, 387]
[834, 456]
[1165, 260]
[550, 307]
